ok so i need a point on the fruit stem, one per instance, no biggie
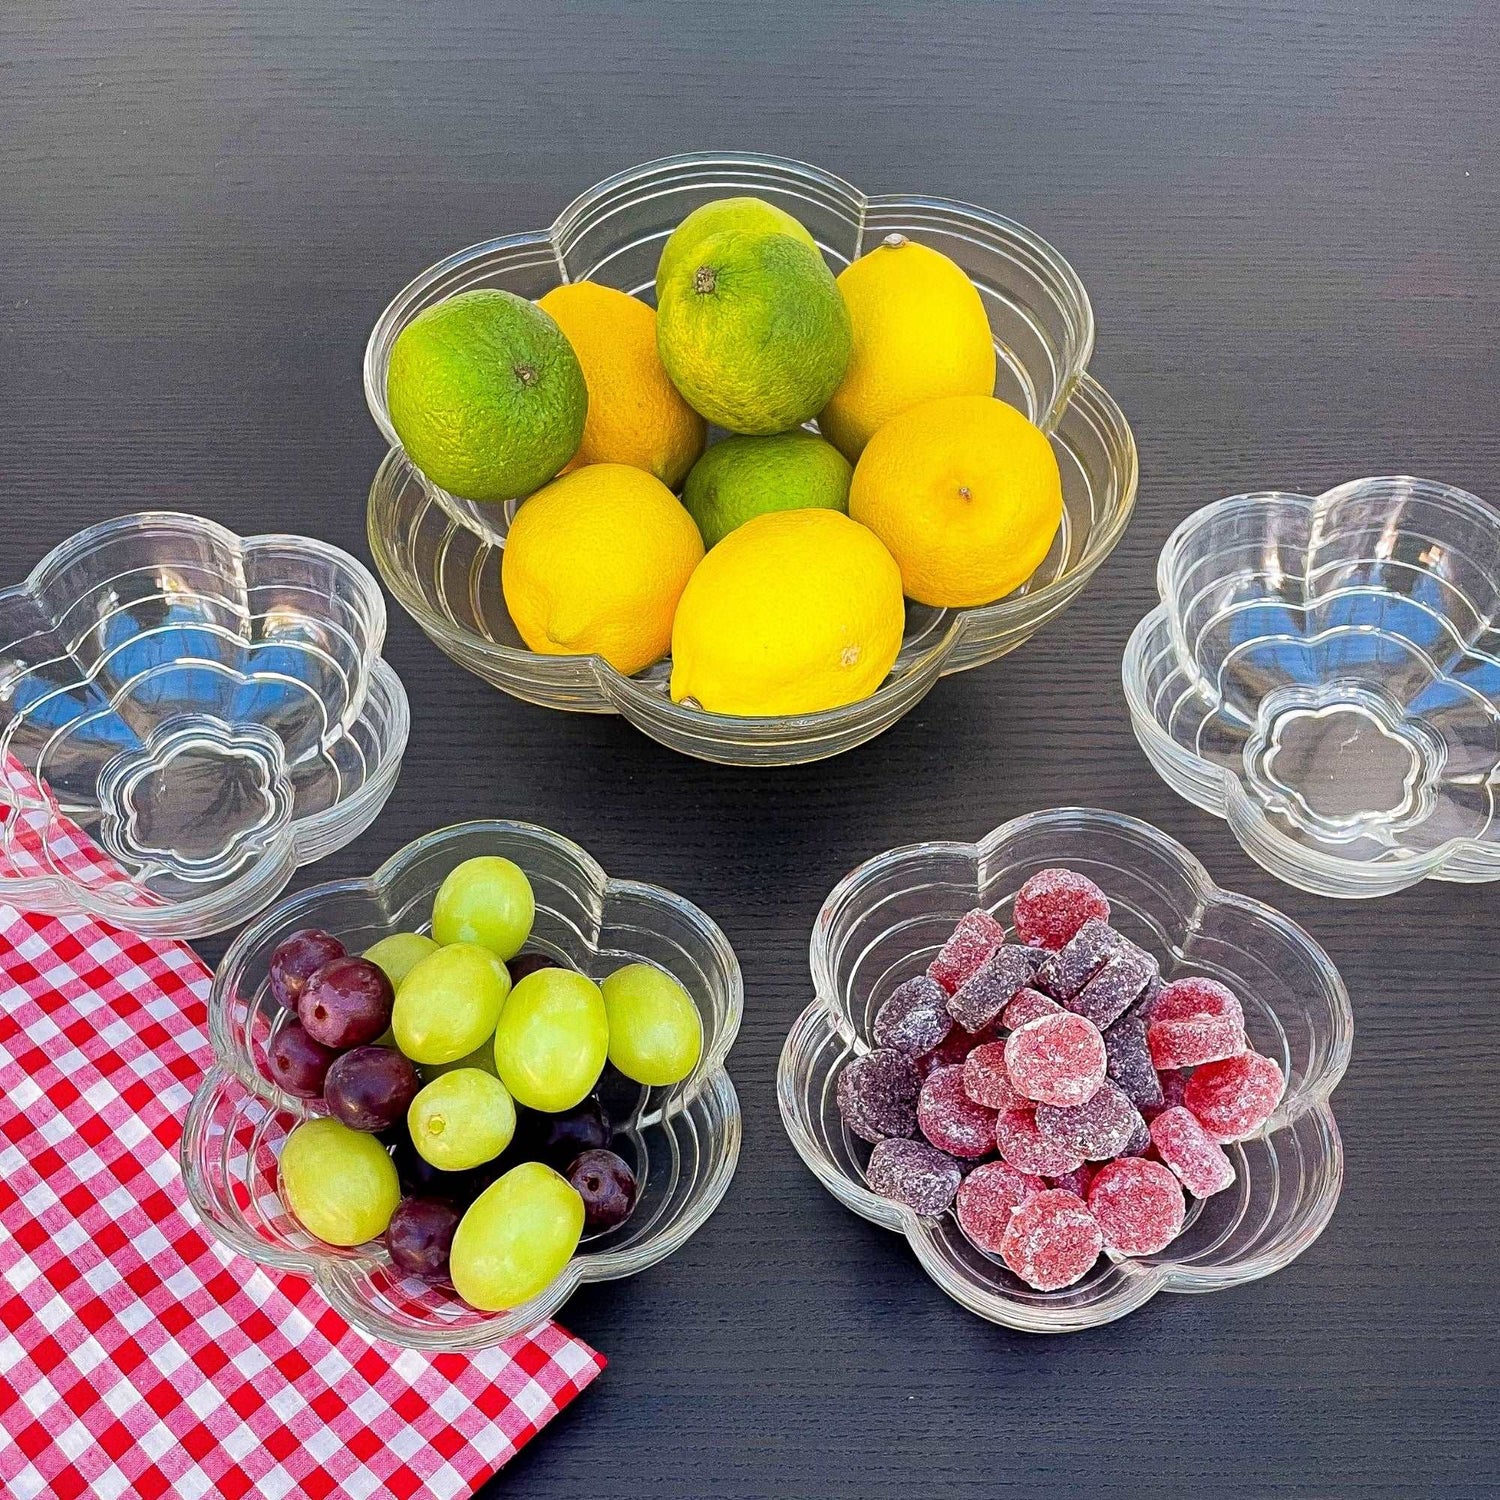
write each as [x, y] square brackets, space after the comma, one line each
[963, 492]
[705, 279]
[526, 374]
[894, 241]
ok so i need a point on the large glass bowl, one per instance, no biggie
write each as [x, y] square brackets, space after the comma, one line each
[685, 1139]
[440, 556]
[883, 923]
[186, 716]
[1324, 672]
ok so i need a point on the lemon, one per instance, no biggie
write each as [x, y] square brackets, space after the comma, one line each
[792, 612]
[920, 332]
[748, 476]
[595, 564]
[635, 415]
[753, 331]
[966, 494]
[743, 215]
[486, 395]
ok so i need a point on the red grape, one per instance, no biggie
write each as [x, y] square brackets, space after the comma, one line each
[528, 963]
[346, 1003]
[370, 1088]
[297, 958]
[608, 1189]
[420, 1235]
[298, 1064]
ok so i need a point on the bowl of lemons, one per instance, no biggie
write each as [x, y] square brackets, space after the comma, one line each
[742, 453]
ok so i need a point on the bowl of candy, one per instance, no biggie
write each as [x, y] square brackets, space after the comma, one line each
[761, 456]
[186, 717]
[1070, 1069]
[1324, 673]
[456, 1091]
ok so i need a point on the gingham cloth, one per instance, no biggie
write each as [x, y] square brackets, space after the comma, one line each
[137, 1357]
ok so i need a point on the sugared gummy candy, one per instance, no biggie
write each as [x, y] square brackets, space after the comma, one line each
[988, 1196]
[915, 1018]
[1027, 1006]
[1066, 972]
[1173, 1087]
[977, 935]
[1028, 1150]
[1234, 1097]
[1076, 1181]
[954, 1048]
[1199, 1039]
[1140, 1139]
[877, 1095]
[1051, 1240]
[950, 1119]
[1054, 904]
[913, 1173]
[1056, 1059]
[1098, 1129]
[1138, 1206]
[986, 1080]
[1130, 1062]
[1185, 999]
[1199, 1162]
[978, 1001]
[1116, 987]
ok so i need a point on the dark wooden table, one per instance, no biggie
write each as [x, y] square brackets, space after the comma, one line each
[1287, 216]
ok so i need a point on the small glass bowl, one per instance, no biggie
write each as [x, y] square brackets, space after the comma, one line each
[883, 923]
[440, 555]
[1324, 672]
[685, 1139]
[187, 716]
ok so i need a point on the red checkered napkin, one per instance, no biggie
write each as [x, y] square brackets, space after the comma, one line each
[137, 1357]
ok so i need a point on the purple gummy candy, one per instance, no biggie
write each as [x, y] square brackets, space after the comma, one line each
[914, 1173]
[915, 1018]
[1116, 987]
[988, 990]
[877, 1095]
[1130, 1061]
[1098, 1129]
[1140, 1140]
[1066, 972]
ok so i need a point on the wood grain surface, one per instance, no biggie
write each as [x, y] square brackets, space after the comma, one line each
[1286, 215]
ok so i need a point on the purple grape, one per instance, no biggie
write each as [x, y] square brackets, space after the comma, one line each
[557, 1139]
[421, 1179]
[298, 1064]
[370, 1088]
[297, 958]
[420, 1235]
[607, 1187]
[346, 1003]
[528, 963]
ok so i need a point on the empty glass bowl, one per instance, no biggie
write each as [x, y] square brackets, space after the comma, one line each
[1325, 674]
[440, 556]
[685, 1140]
[186, 717]
[883, 923]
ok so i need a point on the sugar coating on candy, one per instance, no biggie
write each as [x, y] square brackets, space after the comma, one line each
[1028, 1150]
[1140, 1139]
[913, 1173]
[987, 1198]
[1129, 1062]
[1138, 1206]
[1116, 987]
[1051, 1240]
[954, 1048]
[1054, 904]
[977, 935]
[1066, 972]
[1199, 1162]
[950, 1119]
[1027, 1006]
[1234, 1097]
[915, 1018]
[987, 1082]
[978, 1001]
[1098, 1129]
[1173, 1087]
[1186, 999]
[1056, 1059]
[877, 1095]
[1076, 1181]
[1201, 1039]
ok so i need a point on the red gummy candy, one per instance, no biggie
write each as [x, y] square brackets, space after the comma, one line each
[956, 1046]
[977, 936]
[1056, 1059]
[913, 1173]
[1051, 1240]
[914, 1019]
[1027, 1006]
[1138, 1205]
[1234, 1097]
[1076, 1181]
[1100, 1128]
[987, 1198]
[1054, 904]
[1201, 1039]
[1198, 1161]
[1187, 999]
[1028, 1150]
[950, 1119]
[986, 1080]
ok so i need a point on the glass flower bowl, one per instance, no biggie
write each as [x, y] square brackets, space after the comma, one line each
[883, 923]
[186, 716]
[1325, 674]
[440, 556]
[685, 1139]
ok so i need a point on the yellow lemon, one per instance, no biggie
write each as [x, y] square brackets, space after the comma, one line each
[595, 563]
[793, 612]
[635, 415]
[920, 332]
[966, 494]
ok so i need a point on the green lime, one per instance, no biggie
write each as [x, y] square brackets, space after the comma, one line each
[753, 331]
[744, 477]
[743, 215]
[486, 395]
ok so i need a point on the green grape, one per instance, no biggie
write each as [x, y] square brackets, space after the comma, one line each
[399, 954]
[449, 1003]
[461, 1119]
[483, 1057]
[488, 901]
[516, 1237]
[339, 1183]
[552, 1039]
[655, 1031]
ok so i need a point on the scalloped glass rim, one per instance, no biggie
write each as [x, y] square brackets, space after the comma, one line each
[1141, 1281]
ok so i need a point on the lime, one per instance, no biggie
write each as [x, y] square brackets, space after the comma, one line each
[742, 215]
[743, 477]
[486, 395]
